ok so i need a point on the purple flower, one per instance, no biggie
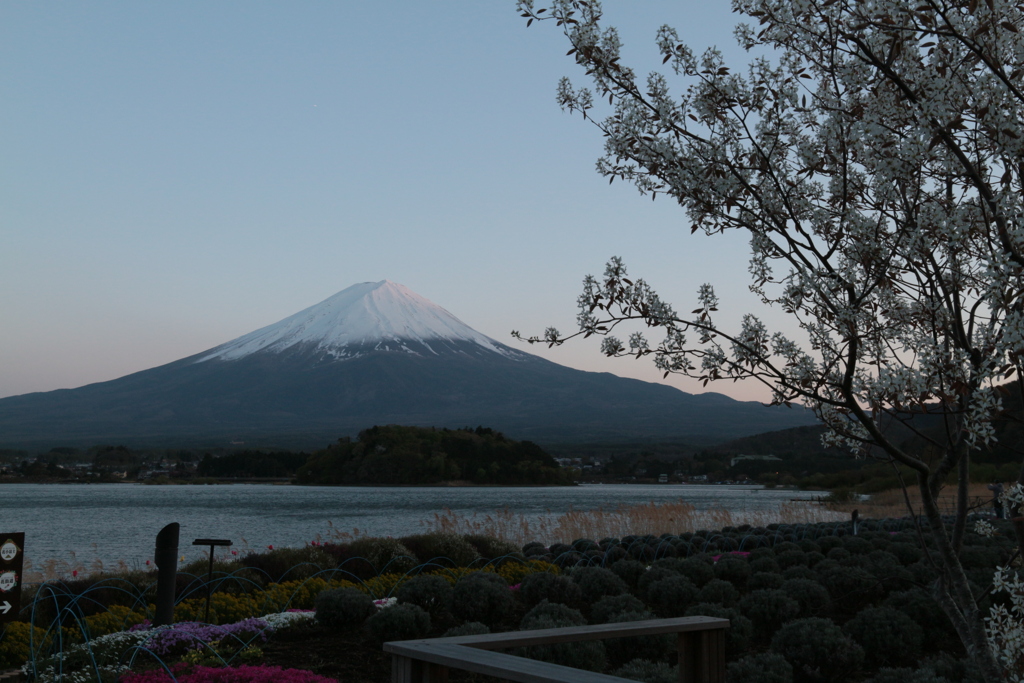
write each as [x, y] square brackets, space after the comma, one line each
[192, 635]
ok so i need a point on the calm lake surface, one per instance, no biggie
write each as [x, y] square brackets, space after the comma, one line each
[83, 524]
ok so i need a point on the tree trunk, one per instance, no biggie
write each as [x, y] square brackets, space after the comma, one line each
[953, 592]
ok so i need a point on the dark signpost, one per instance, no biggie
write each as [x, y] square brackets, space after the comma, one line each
[166, 557]
[12, 559]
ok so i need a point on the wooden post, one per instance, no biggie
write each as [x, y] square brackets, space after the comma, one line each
[702, 656]
[408, 670]
[166, 558]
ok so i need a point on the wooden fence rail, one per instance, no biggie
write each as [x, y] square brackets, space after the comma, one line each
[701, 646]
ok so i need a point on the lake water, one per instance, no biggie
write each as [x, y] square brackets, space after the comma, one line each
[86, 524]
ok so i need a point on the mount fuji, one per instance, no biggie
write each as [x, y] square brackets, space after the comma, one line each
[374, 353]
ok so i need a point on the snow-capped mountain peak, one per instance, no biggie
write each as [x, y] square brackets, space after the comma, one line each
[374, 315]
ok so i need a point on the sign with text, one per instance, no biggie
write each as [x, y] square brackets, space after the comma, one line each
[12, 560]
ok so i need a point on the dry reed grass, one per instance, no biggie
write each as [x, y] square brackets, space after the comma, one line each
[54, 569]
[892, 503]
[647, 518]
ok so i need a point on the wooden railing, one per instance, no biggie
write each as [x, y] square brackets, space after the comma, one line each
[701, 645]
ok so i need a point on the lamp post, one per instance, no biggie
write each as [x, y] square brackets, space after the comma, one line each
[213, 543]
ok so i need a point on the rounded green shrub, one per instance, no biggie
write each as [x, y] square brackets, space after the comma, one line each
[809, 546]
[629, 571]
[556, 549]
[826, 543]
[906, 553]
[923, 610]
[857, 545]
[387, 555]
[602, 611]
[614, 554]
[588, 655]
[799, 572]
[813, 598]
[429, 591]
[470, 628]
[894, 576]
[646, 671]
[621, 650]
[597, 582]
[818, 650]
[851, 588]
[551, 587]
[655, 573]
[446, 549]
[881, 541]
[483, 597]
[734, 569]
[766, 667]
[813, 558]
[769, 609]
[791, 558]
[952, 668]
[907, 675]
[697, 570]
[341, 608]
[551, 612]
[883, 558]
[979, 557]
[889, 637]
[670, 563]
[280, 564]
[491, 548]
[839, 554]
[719, 591]
[739, 633]
[765, 564]
[764, 581]
[398, 622]
[670, 596]
[922, 572]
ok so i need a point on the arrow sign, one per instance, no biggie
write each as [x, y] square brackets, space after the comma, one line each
[12, 556]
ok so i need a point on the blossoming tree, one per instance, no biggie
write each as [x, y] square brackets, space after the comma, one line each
[877, 166]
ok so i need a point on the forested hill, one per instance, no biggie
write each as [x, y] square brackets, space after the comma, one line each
[419, 455]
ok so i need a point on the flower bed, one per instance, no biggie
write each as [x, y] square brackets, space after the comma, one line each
[805, 604]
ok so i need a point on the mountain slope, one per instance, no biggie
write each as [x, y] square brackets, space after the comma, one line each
[375, 353]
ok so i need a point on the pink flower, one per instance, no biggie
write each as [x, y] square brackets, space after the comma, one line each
[147, 563]
[270, 547]
[515, 587]
[234, 552]
[74, 572]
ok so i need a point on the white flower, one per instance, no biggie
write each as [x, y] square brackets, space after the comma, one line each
[280, 620]
[983, 528]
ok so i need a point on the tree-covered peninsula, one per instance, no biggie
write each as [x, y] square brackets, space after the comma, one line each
[396, 455]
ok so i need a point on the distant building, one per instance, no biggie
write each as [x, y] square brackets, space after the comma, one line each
[740, 458]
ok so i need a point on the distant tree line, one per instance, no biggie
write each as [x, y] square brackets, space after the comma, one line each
[419, 455]
[252, 464]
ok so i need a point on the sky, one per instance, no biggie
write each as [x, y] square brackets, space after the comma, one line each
[176, 175]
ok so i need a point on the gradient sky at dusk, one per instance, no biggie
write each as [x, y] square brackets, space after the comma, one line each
[175, 175]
